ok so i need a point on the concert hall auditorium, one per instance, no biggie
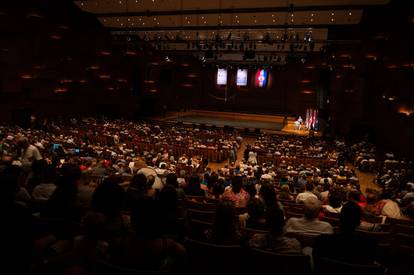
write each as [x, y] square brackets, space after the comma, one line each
[201, 137]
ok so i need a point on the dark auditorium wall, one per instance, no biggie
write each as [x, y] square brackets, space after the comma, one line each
[48, 46]
[375, 94]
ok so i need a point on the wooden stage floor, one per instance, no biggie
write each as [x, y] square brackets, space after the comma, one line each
[266, 123]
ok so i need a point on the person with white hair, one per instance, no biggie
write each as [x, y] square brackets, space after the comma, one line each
[252, 158]
[309, 223]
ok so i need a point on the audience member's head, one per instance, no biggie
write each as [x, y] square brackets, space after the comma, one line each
[335, 199]
[256, 208]
[350, 216]
[172, 180]
[311, 208]
[354, 195]
[268, 194]
[168, 198]
[139, 183]
[275, 219]
[236, 184]
[108, 197]
[309, 186]
[224, 224]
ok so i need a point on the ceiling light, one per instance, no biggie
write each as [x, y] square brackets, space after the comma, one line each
[332, 19]
[350, 13]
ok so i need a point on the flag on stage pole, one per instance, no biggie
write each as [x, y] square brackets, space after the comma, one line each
[314, 119]
[261, 78]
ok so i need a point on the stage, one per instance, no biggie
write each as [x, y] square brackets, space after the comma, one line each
[239, 121]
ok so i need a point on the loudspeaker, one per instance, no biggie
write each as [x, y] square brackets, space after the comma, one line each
[165, 76]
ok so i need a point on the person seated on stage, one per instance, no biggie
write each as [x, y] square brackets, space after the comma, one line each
[298, 123]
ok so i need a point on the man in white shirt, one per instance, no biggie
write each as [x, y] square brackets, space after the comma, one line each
[309, 223]
[301, 197]
[28, 152]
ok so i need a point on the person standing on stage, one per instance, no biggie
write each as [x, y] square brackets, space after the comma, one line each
[298, 123]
